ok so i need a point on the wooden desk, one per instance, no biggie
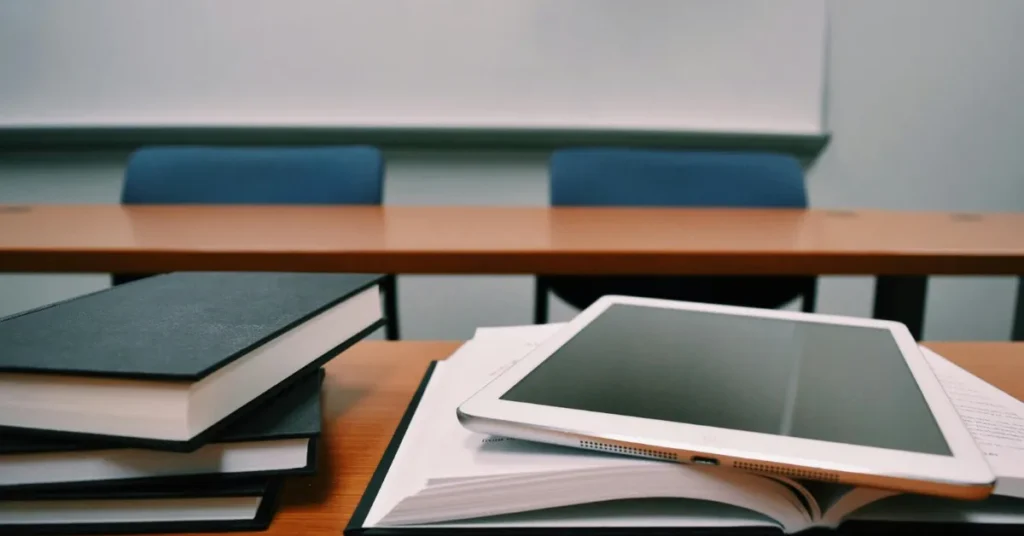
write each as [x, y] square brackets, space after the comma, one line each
[368, 388]
[505, 240]
[901, 247]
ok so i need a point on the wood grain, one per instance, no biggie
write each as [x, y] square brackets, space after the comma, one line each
[365, 393]
[527, 240]
[367, 389]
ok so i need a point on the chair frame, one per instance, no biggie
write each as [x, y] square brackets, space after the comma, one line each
[542, 296]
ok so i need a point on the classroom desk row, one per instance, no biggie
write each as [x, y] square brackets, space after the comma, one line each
[367, 389]
[900, 248]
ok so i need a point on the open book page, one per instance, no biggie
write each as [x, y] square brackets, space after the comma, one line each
[646, 513]
[452, 472]
[473, 363]
[531, 334]
[994, 419]
[534, 492]
[839, 501]
[405, 474]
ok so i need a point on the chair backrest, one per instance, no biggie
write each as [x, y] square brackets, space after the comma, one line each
[644, 177]
[255, 175]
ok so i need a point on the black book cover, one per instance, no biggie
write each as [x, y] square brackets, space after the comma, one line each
[221, 323]
[355, 525]
[295, 413]
[267, 488]
[180, 326]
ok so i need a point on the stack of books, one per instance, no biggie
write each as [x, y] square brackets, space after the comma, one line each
[437, 477]
[173, 403]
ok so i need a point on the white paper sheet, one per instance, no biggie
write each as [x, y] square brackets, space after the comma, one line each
[994, 419]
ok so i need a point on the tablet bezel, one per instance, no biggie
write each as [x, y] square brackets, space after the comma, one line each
[486, 412]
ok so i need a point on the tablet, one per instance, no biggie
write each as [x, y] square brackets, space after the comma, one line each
[809, 396]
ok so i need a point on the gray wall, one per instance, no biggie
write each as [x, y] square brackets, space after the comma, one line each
[924, 105]
[456, 63]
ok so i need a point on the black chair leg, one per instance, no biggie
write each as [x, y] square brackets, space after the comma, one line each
[540, 300]
[810, 300]
[390, 287]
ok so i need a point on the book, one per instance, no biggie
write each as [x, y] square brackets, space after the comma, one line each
[199, 506]
[437, 476]
[164, 362]
[278, 438]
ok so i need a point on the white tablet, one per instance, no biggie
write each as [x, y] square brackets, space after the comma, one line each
[846, 400]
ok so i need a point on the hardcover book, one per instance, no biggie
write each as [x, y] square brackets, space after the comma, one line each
[166, 361]
[278, 437]
[198, 506]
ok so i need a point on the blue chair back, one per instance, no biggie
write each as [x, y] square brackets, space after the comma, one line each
[255, 175]
[645, 177]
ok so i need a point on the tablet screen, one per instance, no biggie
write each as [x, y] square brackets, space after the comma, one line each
[828, 382]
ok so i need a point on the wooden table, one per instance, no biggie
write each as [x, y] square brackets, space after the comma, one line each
[902, 248]
[368, 388]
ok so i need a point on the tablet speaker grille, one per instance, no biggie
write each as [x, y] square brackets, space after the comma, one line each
[618, 449]
[786, 471]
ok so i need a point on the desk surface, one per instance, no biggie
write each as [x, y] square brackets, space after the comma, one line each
[407, 239]
[368, 388]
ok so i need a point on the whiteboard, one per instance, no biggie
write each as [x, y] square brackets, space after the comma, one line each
[752, 66]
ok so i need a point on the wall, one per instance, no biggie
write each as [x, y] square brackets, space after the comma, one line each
[924, 103]
[925, 106]
[454, 63]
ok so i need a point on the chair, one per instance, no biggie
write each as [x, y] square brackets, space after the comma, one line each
[649, 178]
[351, 175]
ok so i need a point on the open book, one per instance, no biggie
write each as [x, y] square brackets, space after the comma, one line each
[443, 475]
